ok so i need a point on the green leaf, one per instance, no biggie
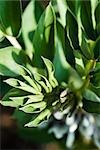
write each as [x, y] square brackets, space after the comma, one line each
[95, 78]
[87, 47]
[62, 7]
[9, 103]
[50, 69]
[80, 70]
[72, 29]
[29, 78]
[43, 41]
[91, 96]
[1, 36]
[17, 100]
[91, 107]
[63, 70]
[10, 100]
[9, 57]
[10, 17]
[73, 6]
[29, 24]
[34, 108]
[39, 118]
[95, 89]
[43, 82]
[96, 48]
[20, 98]
[79, 65]
[13, 93]
[32, 82]
[34, 98]
[97, 18]
[93, 8]
[86, 18]
[62, 36]
[21, 85]
[24, 100]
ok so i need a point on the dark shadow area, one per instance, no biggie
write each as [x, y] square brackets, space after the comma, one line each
[30, 35]
[4, 43]
[38, 10]
[10, 140]
[20, 58]
[24, 4]
[9, 133]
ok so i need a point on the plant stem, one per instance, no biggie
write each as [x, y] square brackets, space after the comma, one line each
[89, 67]
[13, 41]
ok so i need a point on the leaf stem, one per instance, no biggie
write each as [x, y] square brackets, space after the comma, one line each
[89, 67]
[13, 41]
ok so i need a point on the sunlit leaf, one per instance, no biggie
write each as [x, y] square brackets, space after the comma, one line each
[62, 7]
[34, 98]
[43, 41]
[63, 37]
[34, 108]
[29, 24]
[9, 57]
[50, 69]
[9, 103]
[37, 120]
[17, 100]
[43, 82]
[21, 85]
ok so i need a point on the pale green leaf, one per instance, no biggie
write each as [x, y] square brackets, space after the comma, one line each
[43, 82]
[34, 98]
[32, 82]
[39, 118]
[21, 85]
[50, 69]
[9, 103]
[91, 96]
[34, 108]
[62, 7]
[30, 79]
[17, 100]
[9, 57]
[29, 24]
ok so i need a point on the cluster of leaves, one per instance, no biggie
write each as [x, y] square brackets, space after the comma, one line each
[67, 35]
